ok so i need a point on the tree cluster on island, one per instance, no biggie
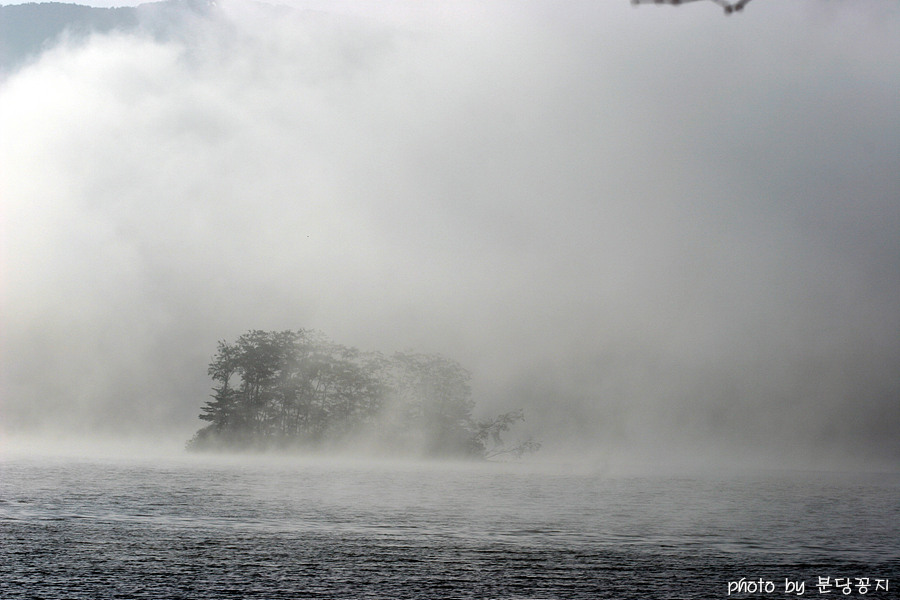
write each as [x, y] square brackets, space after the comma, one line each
[299, 390]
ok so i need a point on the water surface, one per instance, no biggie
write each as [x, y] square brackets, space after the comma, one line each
[200, 528]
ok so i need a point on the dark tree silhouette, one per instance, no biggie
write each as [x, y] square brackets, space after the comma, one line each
[299, 389]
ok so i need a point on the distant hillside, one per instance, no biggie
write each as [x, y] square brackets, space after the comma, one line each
[26, 30]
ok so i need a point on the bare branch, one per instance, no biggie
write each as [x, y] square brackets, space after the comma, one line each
[728, 7]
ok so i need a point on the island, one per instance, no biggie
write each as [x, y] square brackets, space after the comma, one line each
[298, 390]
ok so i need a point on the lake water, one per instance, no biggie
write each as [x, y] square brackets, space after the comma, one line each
[257, 528]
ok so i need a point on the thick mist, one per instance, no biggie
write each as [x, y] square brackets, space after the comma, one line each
[661, 232]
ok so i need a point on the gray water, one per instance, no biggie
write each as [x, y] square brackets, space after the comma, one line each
[200, 528]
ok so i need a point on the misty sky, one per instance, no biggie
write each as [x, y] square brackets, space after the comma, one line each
[657, 229]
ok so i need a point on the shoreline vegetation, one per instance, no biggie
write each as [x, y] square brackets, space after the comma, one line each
[298, 390]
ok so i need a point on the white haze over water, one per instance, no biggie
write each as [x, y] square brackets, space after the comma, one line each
[661, 232]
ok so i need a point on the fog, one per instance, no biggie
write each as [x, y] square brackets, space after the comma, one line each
[662, 232]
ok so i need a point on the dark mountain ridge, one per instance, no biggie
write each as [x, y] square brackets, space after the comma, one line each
[27, 30]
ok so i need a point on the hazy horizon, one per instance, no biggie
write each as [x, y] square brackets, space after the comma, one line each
[662, 232]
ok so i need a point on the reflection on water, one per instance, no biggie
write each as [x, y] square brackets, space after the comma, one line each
[197, 528]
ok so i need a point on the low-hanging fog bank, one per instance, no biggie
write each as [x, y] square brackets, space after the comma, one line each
[661, 232]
